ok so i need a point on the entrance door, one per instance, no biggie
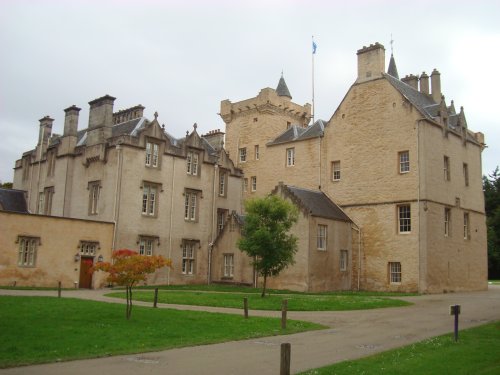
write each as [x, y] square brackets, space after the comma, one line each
[85, 275]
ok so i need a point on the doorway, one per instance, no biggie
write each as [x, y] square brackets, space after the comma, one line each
[86, 264]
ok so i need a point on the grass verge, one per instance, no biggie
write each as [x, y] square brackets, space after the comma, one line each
[476, 352]
[47, 329]
[296, 302]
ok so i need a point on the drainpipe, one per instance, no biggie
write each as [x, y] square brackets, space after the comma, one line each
[171, 218]
[420, 247]
[119, 156]
[39, 168]
[214, 223]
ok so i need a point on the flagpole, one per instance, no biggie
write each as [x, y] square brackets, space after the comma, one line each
[313, 53]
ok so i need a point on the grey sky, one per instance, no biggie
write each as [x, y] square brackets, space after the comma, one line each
[181, 58]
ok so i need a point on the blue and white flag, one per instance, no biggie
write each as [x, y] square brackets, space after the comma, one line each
[314, 47]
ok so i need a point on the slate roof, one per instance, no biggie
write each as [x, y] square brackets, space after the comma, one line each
[13, 200]
[426, 105]
[282, 89]
[298, 133]
[317, 203]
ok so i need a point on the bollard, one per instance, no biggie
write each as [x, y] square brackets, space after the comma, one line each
[59, 289]
[155, 303]
[455, 310]
[245, 307]
[284, 308]
[286, 352]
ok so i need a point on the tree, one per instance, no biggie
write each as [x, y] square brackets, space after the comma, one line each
[128, 268]
[6, 185]
[265, 235]
[491, 187]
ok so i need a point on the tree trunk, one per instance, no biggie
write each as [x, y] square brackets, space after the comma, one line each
[130, 306]
[264, 287]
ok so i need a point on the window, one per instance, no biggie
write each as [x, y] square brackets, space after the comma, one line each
[51, 162]
[245, 185]
[288, 124]
[466, 226]
[336, 170]
[27, 251]
[446, 168]
[321, 237]
[256, 149]
[243, 154]
[221, 219]
[149, 199]
[255, 119]
[404, 218]
[188, 253]
[222, 183]
[45, 201]
[343, 260]
[191, 205]
[41, 199]
[447, 219]
[404, 162]
[254, 183]
[26, 167]
[146, 246]
[94, 188]
[290, 157]
[192, 161]
[152, 150]
[395, 272]
[88, 247]
[466, 174]
[228, 265]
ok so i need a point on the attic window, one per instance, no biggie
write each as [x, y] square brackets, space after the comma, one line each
[255, 119]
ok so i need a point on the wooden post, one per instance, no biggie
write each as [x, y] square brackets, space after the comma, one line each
[245, 307]
[286, 352]
[284, 308]
[59, 289]
[155, 303]
[455, 311]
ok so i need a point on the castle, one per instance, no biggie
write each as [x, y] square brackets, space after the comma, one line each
[389, 188]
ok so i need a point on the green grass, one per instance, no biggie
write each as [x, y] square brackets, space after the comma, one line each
[248, 289]
[476, 352]
[296, 302]
[48, 329]
[495, 282]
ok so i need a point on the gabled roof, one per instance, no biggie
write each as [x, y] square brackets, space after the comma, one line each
[426, 105]
[298, 133]
[316, 203]
[13, 200]
[282, 89]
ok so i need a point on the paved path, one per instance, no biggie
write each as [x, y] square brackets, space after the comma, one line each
[352, 334]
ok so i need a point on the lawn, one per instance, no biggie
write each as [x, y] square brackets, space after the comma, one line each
[476, 352]
[47, 329]
[296, 301]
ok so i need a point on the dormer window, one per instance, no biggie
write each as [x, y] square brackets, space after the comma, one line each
[152, 152]
[192, 161]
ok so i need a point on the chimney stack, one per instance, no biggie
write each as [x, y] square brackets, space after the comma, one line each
[371, 62]
[424, 83]
[45, 129]
[71, 121]
[411, 80]
[436, 86]
[215, 138]
[100, 120]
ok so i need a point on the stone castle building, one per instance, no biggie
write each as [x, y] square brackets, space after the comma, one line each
[165, 196]
[389, 187]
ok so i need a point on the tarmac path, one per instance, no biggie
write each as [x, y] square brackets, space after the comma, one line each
[351, 335]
